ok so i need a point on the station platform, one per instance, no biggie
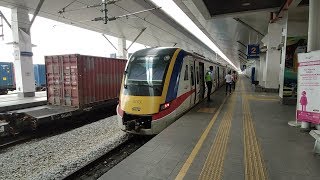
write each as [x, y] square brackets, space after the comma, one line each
[240, 136]
[12, 102]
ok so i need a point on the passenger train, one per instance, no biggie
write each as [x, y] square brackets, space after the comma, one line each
[159, 85]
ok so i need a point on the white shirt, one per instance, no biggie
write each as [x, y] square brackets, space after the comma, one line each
[228, 78]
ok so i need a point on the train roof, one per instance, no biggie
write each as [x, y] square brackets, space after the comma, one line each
[170, 50]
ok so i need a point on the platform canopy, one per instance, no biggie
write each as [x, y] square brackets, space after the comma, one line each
[230, 24]
[233, 24]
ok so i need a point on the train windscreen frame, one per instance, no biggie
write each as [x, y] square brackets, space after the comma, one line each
[146, 73]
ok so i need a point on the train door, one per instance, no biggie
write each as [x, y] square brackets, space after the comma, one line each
[201, 80]
[192, 82]
[185, 83]
[197, 79]
[214, 82]
[218, 72]
[216, 76]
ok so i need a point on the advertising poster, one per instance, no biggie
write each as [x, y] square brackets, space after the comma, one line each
[308, 101]
[294, 46]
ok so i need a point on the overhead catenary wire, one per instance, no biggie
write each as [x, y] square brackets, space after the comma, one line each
[71, 21]
[143, 19]
[63, 10]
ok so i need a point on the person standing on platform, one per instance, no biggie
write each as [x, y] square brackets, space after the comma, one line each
[209, 79]
[234, 79]
[228, 79]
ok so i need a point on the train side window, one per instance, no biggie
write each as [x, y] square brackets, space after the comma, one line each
[192, 76]
[186, 74]
[197, 75]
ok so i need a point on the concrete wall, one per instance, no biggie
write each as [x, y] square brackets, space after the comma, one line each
[297, 29]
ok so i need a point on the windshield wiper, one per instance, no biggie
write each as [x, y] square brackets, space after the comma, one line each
[124, 82]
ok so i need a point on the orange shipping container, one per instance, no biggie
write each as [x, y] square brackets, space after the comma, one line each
[82, 81]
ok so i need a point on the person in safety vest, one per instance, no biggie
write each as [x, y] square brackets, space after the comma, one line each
[209, 79]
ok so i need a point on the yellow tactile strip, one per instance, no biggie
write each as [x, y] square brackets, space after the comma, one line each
[198, 146]
[207, 110]
[253, 160]
[260, 98]
[213, 167]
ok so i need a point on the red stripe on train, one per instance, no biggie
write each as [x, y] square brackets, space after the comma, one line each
[173, 105]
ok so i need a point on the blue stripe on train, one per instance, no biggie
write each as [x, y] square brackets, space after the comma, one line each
[175, 76]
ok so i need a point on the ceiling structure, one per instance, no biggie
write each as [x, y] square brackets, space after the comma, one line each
[230, 24]
[161, 30]
[233, 24]
[234, 6]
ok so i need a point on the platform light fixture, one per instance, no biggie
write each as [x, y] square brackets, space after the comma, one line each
[245, 4]
[170, 7]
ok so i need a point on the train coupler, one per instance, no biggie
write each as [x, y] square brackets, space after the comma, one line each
[132, 126]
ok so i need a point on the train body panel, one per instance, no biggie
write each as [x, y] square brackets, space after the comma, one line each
[161, 84]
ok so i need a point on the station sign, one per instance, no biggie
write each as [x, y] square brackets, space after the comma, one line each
[253, 51]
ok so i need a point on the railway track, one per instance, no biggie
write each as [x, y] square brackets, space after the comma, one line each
[56, 127]
[97, 168]
[7, 142]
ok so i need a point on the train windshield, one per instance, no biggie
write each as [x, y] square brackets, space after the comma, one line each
[145, 75]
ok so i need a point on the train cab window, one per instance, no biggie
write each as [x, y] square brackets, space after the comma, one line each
[192, 76]
[186, 74]
[145, 75]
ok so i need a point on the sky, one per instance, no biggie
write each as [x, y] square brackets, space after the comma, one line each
[54, 38]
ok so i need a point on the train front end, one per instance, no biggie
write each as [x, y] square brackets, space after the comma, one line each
[144, 90]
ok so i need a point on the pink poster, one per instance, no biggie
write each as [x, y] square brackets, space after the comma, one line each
[308, 101]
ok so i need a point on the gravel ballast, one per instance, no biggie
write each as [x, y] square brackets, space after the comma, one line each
[58, 156]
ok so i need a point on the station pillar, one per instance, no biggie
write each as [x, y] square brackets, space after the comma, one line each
[283, 59]
[314, 26]
[273, 57]
[262, 62]
[22, 51]
[313, 37]
[122, 48]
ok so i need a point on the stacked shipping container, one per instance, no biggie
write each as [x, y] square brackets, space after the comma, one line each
[6, 77]
[80, 81]
[40, 75]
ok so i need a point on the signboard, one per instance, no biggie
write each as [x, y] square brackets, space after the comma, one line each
[308, 104]
[253, 51]
[25, 53]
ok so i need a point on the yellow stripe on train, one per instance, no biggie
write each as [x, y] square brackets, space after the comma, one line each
[142, 105]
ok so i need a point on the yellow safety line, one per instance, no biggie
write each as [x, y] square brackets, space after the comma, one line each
[213, 167]
[262, 99]
[253, 160]
[257, 98]
[198, 146]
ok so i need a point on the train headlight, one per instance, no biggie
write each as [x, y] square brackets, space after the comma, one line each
[164, 106]
[166, 58]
